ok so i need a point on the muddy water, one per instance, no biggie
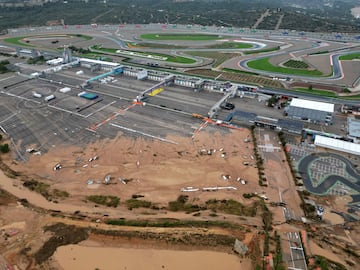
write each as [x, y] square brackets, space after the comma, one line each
[84, 257]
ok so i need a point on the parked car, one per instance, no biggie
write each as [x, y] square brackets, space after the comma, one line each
[227, 106]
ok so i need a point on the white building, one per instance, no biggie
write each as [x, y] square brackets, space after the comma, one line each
[338, 145]
[311, 111]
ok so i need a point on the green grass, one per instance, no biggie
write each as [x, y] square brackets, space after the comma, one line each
[355, 97]
[134, 203]
[318, 92]
[320, 52]
[262, 50]
[239, 71]
[296, 64]
[17, 41]
[154, 45]
[264, 64]
[231, 45]
[96, 56]
[351, 56]
[85, 37]
[158, 36]
[231, 207]
[110, 201]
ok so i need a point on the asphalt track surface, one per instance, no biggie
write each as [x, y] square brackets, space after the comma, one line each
[111, 32]
[329, 181]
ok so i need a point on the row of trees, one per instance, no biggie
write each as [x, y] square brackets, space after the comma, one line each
[233, 13]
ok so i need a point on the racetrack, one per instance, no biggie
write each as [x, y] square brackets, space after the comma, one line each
[330, 179]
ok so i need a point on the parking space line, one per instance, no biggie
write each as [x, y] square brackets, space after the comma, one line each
[143, 133]
[12, 95]
[100, 109]
[4, 79]
[64, 110]
[111, 117]
[9, 117]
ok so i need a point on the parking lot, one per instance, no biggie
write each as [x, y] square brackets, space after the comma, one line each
[293, 251]
[69, 119]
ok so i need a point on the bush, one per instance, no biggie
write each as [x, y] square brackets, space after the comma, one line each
[134, 203]
[4, 148]
[111, 201]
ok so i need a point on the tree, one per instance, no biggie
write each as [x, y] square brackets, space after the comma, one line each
[4, 148]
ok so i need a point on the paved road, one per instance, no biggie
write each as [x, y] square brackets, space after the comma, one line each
[329, 181]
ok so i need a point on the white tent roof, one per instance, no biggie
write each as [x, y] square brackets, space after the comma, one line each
[99, 62]
[313, 105]
[338, 145]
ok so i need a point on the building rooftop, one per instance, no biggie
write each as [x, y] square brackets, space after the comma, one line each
[354, 127]
[338, 145]
[312, 105]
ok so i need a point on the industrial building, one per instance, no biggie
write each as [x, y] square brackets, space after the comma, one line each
[338, 145]
[354, 129]
[310, 111]
[240, 117]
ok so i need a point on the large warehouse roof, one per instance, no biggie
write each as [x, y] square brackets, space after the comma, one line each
[312, 105]
[339, 145]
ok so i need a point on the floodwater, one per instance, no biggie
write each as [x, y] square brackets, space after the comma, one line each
[356, 12]
[84, 257]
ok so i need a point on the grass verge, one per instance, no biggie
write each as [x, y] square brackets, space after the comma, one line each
[351, 56]
[158, 36]
[318, 92]
[265, 65]
[17, 41]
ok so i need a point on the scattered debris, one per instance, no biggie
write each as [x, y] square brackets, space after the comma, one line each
[93, 158]
[240, 247]
[57, 167]
[30, 150]
[107, 179]
[225, 176]
[189, 189]
[218, 188]
[90, 182]
[125, 180]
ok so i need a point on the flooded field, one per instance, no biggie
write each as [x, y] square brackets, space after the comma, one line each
[85, 257]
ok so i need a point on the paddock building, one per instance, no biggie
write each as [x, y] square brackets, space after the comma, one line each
[310, 111]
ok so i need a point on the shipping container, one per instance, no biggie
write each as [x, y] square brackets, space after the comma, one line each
[37, 95]
[65, 90]
[48, 98]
